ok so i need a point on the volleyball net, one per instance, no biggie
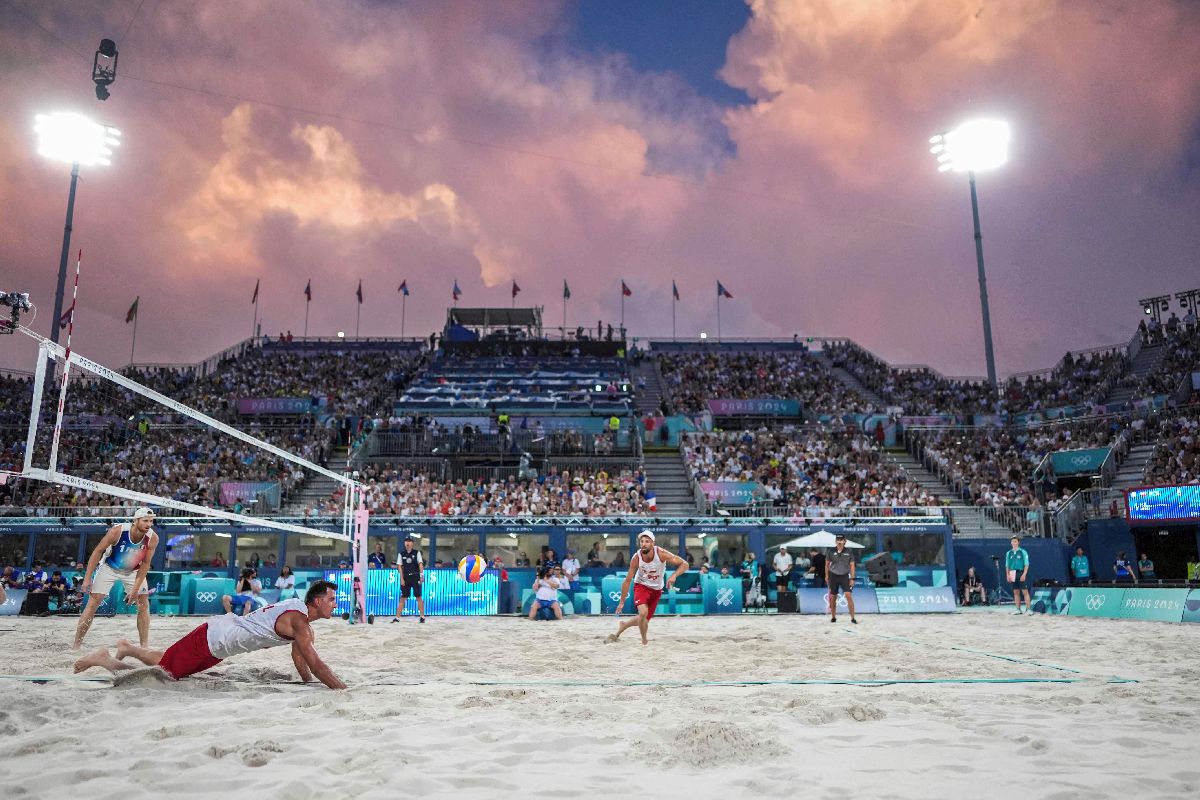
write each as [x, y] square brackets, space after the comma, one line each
[99, 439]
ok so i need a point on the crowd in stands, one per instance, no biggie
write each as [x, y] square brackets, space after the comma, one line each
[1176, 458]
[1076, 380]
[998, 466]
[177, 462]
[693, 378]
[403, 492]
[1180, 358]
[804, 468]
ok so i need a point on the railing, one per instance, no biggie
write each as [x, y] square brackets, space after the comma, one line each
[1071, 518]
[396, 444]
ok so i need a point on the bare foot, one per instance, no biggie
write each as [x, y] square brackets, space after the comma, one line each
[123, 646]
[612, 637]
[92, 659]
[645, 641]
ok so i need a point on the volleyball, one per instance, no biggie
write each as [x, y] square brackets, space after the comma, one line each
[471, 568]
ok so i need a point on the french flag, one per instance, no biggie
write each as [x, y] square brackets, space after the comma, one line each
[723, 292]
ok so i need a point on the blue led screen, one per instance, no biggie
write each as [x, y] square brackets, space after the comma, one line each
[1164, 503]
[444, 590]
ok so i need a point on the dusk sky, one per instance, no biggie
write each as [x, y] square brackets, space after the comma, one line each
[778, 146]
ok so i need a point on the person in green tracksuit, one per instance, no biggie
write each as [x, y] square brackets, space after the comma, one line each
[1016, 562]
[1081, 569]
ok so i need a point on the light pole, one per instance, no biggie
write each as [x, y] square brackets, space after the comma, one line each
[971, 147]
[78, 141]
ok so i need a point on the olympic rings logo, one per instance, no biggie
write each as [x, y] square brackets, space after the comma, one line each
[206, 597]
[614, 596]
[1095, 601]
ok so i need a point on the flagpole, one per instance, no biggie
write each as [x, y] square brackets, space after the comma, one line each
[306, 302]
[133, 344]
[718, 317]
[622, 304]
[357, 317]
[254, 322]
[674, 303]
[403, 308]
[564, 328]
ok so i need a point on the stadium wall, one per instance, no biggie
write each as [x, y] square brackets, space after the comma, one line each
[1048, 559]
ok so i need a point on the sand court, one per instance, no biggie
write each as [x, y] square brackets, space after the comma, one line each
[714, 706]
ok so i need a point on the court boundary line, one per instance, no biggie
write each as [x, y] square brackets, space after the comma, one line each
[973, 651]
[601, 682]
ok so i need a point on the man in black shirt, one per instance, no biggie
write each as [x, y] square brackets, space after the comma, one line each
[818, 568]
[972, 586]
[412, 573]
[839, 574]
[378, 559]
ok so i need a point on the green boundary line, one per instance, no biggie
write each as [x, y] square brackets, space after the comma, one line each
[632, 684]
[1011, 659]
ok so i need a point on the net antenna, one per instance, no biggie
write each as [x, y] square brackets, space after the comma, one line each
[351, 495]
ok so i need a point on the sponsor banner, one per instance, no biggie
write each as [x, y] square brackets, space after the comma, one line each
[1075, 462]
[1163, 503]
[14, 599]
[816, 601]
[734, 493]
[249, 491]
[908, 600]
[1085, 602]
[991, 420]
[1159, 605]
[444, 591]
[1191, 606]
[757, 407]
[1050, 601]
[278, 405]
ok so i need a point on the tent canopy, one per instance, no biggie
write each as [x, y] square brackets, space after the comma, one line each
[821, 538]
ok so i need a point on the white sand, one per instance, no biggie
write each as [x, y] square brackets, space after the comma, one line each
[242, 730]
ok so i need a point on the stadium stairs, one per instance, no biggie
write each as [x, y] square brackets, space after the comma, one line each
[1146, 361]
[649, 401]
[318, 488]
[854, 384]
[968, 521]
[667, 477]
[1132, 470]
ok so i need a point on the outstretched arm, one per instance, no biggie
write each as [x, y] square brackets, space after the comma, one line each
[302, 644]
[680, 565]
[301, 666]
[105, 542]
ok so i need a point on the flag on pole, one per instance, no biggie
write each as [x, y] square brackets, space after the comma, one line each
[723, 292]
[674, 290]
[131, 315]
[404, 288]
[457, 291]
[65, 319]
[359, 292]
[254, 299]
[566, 291]
[308, 291]
[625, 290]
[516, 289]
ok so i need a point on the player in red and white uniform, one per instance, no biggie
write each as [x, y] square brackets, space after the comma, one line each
[286, 622]
[646, 570]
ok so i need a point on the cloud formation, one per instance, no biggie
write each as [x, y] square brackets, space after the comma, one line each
[436, 142]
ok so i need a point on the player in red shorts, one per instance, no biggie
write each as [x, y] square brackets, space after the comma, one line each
[286, 622]
[646, 570]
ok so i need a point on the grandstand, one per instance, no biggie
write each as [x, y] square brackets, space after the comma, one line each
[493, 424]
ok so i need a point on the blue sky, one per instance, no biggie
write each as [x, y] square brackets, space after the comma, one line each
[686, 37]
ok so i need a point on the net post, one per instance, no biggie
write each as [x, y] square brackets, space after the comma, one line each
[361, 520]
[39, 382]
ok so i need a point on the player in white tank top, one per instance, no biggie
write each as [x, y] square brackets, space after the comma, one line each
[232, 635]
[282, 623]
[647, 569]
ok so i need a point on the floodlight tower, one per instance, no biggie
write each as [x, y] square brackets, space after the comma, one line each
[76, 140]
[973, 146]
